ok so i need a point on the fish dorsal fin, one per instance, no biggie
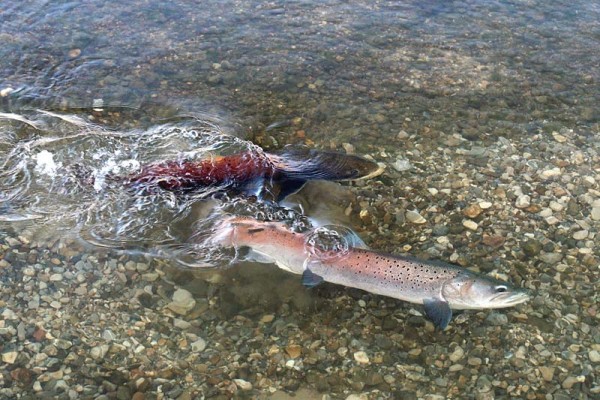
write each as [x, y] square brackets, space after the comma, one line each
[439, 312]
[310, 279]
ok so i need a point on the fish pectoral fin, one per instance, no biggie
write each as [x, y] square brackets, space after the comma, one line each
[438, 311]
[310, 279]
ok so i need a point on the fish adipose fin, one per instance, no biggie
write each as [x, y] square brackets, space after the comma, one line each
[438, 312]
[310, 279]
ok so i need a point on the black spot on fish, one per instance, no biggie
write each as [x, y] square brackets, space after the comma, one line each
[255, 230]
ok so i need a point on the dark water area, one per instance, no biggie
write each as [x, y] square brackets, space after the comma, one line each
[484, 114]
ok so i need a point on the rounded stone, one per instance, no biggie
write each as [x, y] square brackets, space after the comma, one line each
[457, 354]
[581, 234]
[199, 345]
[523, 201]
[361, 357]
[415, 217]
[472, 211]
[471, 225]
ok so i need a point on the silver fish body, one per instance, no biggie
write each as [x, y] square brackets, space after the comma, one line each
[439, 286]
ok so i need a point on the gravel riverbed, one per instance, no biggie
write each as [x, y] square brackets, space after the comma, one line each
[77, 322]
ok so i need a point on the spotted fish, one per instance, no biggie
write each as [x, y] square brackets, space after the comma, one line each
[438, 286]
[286, 171]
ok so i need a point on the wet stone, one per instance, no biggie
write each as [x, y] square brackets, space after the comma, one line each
[457, 354]
[523, 201]
[551, 258]
[198, 346]
[415, 217]
[580, 235]
[361, 357]
[472, 211]
[471, 225]
[440, 230]
[497, 319]
[99, 352]
[532, 247]
[594, 356]
[183, 302]
[547, 373]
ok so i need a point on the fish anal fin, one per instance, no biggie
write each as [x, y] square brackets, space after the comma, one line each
[310, 279]
[439, 312]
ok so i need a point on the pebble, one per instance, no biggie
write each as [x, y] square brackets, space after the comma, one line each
[580, 235]
[9, 314]
[242, 384]
[267, 318]
[358, 397]
[523, 201]
[293, 350]
[402, 165]
[558, 137]
[183, 302]
[473, 211]
[596, 213]
[547, 373]
[485, 205]
[470, 224]
[550, 173]
[10, 356]
[99, 352]
[74, 53]
[199, 345]
[570, 381]
[594, 356]
[497, 319]
[56, 277]
[551, 258]
[415, 217]
[181, 324]
[361, 357]
[474, 361]
[457, 354]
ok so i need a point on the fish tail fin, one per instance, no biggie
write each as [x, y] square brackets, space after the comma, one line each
[295, 165]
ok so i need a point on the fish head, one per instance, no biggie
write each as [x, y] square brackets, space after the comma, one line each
[470, 291]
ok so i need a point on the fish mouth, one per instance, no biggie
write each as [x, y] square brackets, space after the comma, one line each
[509, 299]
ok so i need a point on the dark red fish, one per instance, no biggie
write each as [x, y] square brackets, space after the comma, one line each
[288, 170]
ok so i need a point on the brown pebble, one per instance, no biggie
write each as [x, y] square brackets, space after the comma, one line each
[534, 208]
[301, 134]
[547, 373]
[137, 396]
[472, 211]
[293, 350]
[493, 241]
[39, 334]
[55, 261]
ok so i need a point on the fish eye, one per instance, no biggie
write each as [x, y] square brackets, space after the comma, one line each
[501, 289]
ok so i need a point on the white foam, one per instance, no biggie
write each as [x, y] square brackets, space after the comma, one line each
[45, 164]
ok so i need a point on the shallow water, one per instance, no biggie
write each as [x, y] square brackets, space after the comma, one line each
[465, 103]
